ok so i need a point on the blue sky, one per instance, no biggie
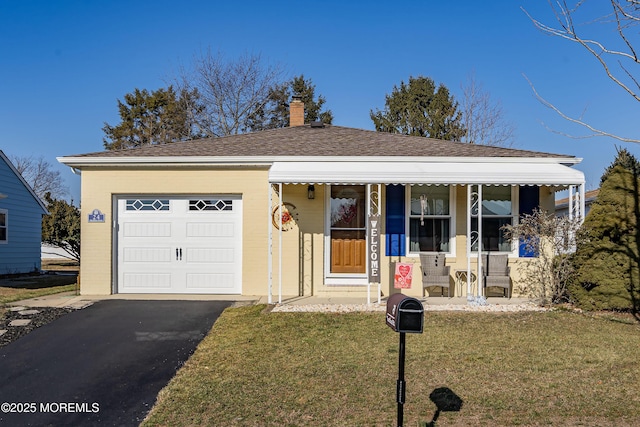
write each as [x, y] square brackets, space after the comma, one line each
[64, 64]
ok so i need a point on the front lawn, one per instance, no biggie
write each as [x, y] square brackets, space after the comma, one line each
[325, 369]
[25, 287]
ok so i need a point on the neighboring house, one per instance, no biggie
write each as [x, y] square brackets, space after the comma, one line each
[570, 207]
[562, 205]
[21, 212]
[304, 210]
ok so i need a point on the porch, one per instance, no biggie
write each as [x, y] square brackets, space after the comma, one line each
[379, 212]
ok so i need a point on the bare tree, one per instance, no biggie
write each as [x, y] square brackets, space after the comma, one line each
[483, 117]
[232, 93]
[550, 240]
[40, 176]
[617, 57]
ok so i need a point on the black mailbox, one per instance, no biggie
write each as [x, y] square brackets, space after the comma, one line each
[405, 314]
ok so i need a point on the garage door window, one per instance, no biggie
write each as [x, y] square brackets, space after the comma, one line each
[210, 205]
[147, 205]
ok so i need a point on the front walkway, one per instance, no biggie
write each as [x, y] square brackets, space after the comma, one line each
[289, 303]
[70, 299]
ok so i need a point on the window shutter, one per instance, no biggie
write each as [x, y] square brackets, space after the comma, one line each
[395, 221]
[529, 200]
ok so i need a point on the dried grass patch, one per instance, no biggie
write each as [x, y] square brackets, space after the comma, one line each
[293, 369]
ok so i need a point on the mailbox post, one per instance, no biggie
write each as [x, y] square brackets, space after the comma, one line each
[404, 315]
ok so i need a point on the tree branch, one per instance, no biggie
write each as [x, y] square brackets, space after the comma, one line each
[595, 48]
[595, 132]
[621, 18]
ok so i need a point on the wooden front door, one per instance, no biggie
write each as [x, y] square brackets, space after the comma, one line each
[348, 229]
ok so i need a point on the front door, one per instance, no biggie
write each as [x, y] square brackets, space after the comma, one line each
[348, 229]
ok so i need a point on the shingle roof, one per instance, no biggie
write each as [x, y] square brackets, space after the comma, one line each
[320, 141]
[589, 197]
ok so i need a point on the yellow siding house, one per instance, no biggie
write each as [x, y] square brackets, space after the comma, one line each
[307, 210]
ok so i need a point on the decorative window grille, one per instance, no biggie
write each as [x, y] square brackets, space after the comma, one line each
[210, 205]
[147, 205]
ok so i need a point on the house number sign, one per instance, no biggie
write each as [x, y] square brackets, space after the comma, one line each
[96, 216]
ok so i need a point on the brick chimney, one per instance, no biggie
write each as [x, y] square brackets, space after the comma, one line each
[296, 111]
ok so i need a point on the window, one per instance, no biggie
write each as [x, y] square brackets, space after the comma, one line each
[147, 205]
[4, 236]
[497, 211]
[211, 205]
[430, 219]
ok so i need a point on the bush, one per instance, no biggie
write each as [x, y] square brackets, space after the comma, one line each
[549, 239]
[606, 259]
[61, 228]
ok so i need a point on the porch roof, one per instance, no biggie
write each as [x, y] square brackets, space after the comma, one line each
[488, 171]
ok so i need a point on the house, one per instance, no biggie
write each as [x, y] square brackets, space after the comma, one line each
[569, 208]
[562, 205]
[304, 210]
[21, 212]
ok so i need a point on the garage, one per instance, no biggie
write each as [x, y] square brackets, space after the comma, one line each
[179, 245]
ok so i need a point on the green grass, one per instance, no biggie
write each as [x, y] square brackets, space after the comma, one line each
[26, 287]
[32, 290]
[316, 369]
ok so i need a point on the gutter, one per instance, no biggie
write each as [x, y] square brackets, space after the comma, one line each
[81, 161]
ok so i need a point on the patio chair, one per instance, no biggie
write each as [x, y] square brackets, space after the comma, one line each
[435, 273]
[495, 272]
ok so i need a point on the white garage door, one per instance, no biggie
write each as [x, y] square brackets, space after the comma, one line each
[185, 245]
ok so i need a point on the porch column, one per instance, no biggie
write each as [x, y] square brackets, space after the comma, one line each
[270, 246]
[469, 238]
[571, 202]
[280, 202]
[479, 281]
[474, 209]
[576, 206]
[582, 203]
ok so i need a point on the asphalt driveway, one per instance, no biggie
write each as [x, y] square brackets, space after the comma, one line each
[102, 365]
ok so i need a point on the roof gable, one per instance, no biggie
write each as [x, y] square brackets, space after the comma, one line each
[24, 183]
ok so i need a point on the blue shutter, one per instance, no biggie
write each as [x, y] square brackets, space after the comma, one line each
[529, 201]
[395, 220]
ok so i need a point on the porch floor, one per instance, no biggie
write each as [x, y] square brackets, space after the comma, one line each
[350, 304]
[315, 300]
